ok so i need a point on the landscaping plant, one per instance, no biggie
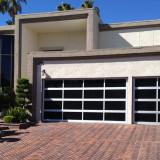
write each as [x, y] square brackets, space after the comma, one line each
[64, 7]
[17, 115]
[23, 93]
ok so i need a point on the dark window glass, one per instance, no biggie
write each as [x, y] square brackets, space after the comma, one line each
[145, 94]
[53, 115]
[115, 94]
[73, 83]
[115, 82]
[7, 44]
[93, 105]
[93, 94]
[53, 94]
[93, 83]
[145, 106]
[6, 70]
[72, 115]
[73, 94]
[114, 105]
[115, 116]
[52, 105]
[159, 118]
[140, 117]
[93, 116]
[72, 105]
[53, 84]
[145, 82]
[158, 106]
[159, 94]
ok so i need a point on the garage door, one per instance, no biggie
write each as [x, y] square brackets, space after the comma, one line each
[146, 101]
[99, 100]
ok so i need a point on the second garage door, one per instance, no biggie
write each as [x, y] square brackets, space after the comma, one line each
[85, 100]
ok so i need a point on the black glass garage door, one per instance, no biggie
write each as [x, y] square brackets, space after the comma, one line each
[85, 100]
[147, 101]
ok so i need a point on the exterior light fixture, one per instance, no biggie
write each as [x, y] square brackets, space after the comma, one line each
[43, 72]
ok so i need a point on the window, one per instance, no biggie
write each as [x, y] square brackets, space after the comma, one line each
[6, 60]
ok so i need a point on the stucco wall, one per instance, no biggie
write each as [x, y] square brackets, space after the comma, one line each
[29, 43]
[68, 40]
[129, 38]
[106, 68]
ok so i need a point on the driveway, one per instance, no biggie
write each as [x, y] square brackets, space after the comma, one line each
[83, 141]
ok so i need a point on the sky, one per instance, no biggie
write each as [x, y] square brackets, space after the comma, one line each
[111, 11]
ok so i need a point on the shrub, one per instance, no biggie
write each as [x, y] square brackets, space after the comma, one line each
[19, 113]
[9, 119]
[23, 93]
[7, 98]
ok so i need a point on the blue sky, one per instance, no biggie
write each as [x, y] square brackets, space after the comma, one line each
[112, 11]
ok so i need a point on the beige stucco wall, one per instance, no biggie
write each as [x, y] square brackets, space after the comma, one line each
[103, 68]
[68, 40]
[29, 43]
[130, 38]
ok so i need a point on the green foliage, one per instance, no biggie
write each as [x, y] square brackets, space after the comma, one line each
[18, 113]
[12, 7]
[64, 7]
[7, 98]
[9, 119]
[87, 4]
[23, 93]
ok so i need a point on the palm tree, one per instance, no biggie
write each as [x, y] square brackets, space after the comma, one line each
[13, 7]
[87, 4]
[64, 7]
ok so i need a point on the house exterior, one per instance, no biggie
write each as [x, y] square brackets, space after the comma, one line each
[82, 70]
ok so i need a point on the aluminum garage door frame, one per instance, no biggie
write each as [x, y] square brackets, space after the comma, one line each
[85, 100]
[148, 112]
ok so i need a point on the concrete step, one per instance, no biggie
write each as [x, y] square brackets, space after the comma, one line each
[4, 128]
[8, 132]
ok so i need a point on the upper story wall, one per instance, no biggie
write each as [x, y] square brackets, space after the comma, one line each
[65, 40]
[129, 38]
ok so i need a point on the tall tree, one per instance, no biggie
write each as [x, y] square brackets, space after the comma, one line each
[87, 4]
[12, 7]
[64, 7]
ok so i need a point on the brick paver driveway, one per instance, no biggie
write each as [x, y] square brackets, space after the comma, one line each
[81, 141]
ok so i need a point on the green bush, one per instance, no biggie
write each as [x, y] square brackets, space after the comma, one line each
[9, 119]
[7, 98]
[19, 113]
[23, 93]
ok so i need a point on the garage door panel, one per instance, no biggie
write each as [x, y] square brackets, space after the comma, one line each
[53, 115]
[93, 116]
[53, 84]
[72, 115]
[53, 94]
[73, 83]
[115, 94]
[90, 105]
[53, 105]
[112, 105]
[115, 116]
[146, 100]
[139, 117]
[85, 100]
[145, 94]
[72, 94]
[93, 94]
[75, 105]
[115, 82]
[150, 82]
[145, 106]
[93, 83]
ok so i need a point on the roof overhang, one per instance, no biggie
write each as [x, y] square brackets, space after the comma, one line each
[7, 30]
